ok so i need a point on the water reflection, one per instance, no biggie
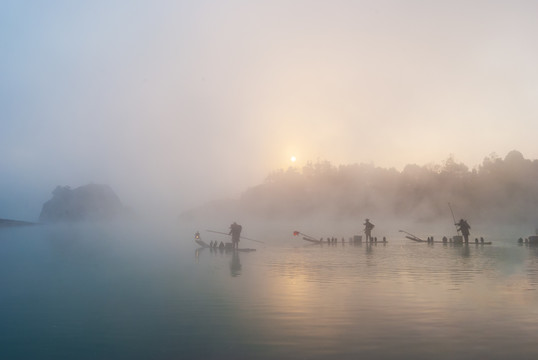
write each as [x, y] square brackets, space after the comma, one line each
[142, 299]
[420, 299]
[531, 264]
[465, 251]
[235, 265]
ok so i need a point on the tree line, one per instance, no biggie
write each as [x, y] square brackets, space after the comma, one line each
[499, 189]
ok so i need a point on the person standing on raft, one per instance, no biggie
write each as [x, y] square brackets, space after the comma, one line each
[368, 226]
[235, 231]
[464, 227]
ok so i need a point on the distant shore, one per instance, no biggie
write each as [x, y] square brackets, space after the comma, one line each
[10, 223]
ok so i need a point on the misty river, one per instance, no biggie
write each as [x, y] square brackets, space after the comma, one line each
[145, 292]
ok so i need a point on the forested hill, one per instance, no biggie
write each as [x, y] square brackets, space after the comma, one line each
[497, 190]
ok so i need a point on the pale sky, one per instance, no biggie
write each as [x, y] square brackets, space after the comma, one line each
[175, 103]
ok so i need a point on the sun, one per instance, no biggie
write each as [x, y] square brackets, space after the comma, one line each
[293, 159]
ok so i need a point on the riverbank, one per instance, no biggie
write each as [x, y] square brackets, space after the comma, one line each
[10, 223]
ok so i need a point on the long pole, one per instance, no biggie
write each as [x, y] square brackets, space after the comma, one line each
[454, 218]
[242, 237]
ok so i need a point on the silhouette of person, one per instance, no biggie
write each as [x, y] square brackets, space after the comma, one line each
[464, 227]
[368, 226]
[235, 231]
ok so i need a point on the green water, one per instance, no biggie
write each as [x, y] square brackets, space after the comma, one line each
[145, 292]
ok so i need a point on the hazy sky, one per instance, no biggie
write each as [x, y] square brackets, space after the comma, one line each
[180, 102]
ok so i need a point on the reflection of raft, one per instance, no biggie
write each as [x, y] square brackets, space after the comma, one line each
[231, 249]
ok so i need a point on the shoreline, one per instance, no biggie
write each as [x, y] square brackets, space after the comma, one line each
[12, 223]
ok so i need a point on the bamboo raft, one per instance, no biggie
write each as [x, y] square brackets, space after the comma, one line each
[228, 247]
[531, 240]
[457, 240]
[357, 239]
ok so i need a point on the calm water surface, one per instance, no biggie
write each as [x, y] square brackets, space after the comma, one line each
[133, 292]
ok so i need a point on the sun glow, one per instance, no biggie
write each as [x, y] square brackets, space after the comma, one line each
[293, 159]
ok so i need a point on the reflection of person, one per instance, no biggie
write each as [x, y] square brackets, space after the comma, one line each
[368, 226]
[235, 264]
[464, 227]
[235, 231]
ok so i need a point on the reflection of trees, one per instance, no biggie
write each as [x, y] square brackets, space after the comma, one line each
[497, 189]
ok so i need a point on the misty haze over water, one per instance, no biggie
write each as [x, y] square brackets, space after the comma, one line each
[134, 291]
[139, 287]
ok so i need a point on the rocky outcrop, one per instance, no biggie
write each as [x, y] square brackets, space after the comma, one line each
[91, 202]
